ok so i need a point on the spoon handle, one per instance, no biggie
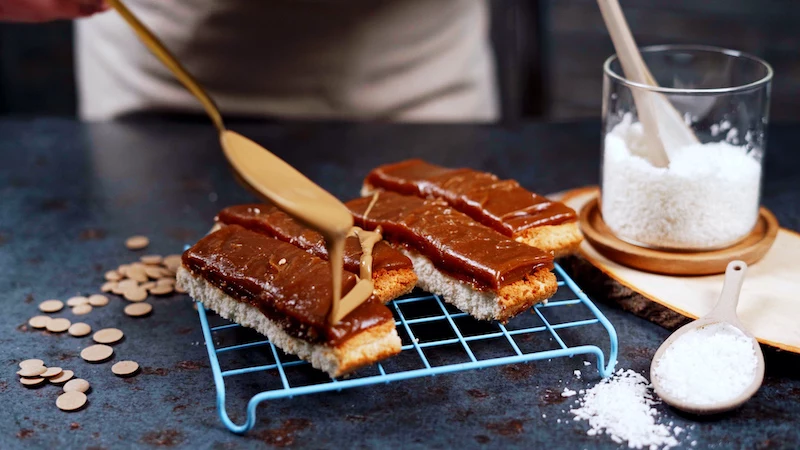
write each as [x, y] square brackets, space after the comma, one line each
[729, 298]
[161, 52]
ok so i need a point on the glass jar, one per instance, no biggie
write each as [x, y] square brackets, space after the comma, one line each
[706, 194]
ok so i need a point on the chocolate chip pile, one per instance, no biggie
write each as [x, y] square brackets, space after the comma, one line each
[135, 282]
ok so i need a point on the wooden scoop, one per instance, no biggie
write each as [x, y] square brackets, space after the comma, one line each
[723, 312]
[664, 127]
[269, 175]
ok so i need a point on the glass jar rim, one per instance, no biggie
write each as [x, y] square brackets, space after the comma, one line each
[692, 91]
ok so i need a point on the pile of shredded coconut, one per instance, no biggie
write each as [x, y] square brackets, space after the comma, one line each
[707, 197]
[707, 366]
[621, 406]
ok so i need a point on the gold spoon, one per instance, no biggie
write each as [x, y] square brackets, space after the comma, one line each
[269, 175]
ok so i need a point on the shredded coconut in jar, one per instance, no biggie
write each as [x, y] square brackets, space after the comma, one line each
[707, 197]
[621, 406]
[708, 365]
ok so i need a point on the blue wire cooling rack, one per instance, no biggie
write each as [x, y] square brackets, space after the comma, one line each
[437, 339]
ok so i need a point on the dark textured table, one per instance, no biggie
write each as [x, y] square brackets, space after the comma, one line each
[71, 193]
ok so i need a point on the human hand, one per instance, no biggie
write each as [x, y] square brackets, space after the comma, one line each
[48, 10]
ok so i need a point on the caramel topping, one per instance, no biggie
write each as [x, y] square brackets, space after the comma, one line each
[501, 204]
[455, 244]
[287, 284]
[270, 220]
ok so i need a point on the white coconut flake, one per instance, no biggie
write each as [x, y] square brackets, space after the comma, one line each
[707, 366]
[621, 406]
[568, 392]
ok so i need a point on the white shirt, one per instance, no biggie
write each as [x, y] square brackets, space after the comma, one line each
[405, 60]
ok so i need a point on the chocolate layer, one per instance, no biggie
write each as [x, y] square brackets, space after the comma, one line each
[501, 204]
[287, 284]
[456, 244]
[270, 220]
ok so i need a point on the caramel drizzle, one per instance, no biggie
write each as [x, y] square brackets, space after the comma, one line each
[364, 288]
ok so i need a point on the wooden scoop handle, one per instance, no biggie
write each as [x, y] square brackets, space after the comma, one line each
[729, 298]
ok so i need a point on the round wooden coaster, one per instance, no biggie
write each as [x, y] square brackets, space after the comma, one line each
[749, 250]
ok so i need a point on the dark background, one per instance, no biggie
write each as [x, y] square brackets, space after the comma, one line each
[549, 52]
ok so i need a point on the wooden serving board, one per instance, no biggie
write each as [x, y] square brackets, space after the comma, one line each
[769, 305]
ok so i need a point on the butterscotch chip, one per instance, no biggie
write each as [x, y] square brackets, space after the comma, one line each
[149, 285]
[108, 336]
[164, 289]
[154, 272]
[51, 372]
[59, 325]
[113, 275]
[71, 401]
[79, 329]
[162, 281]
[138, 309]
[77, 301]
[65, 376]
[31, 371]
[137, 273]
[39, 321]
[169, 272]
[51, 306]
[81, 310]
[97, 353]
[77, 385]
[125, 368]
[151, 259]
[180, 289]
[31, 363]
[137, 294]
[172, 262]
[108, 286]
[123, 269]
[31, 382]
[137, 242]
[98, 300]
[124, 285]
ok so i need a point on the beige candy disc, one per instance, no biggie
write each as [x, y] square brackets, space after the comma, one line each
[51, 372]
[31, 363]
[137, 242]
[97, 353]
[39, 321]
[125, 368]
[77, 300]
[136, 294]
[172, 262]
[162, 281]
[59, 325]
[149, 285]
[154, 272]
[31, 371]
[138, 309]
[31, 382]
[108, 286]
[78, 384]
[179, 288]
[51, 306]
[65, 376]
[108, 336]
[79, 329]
[113, 275]
[151, 259]
[81, 310]
[98, 300]
[163, 289]
[138, 272]
[71, 401]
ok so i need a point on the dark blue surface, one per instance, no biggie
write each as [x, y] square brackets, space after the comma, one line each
[71, 193]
